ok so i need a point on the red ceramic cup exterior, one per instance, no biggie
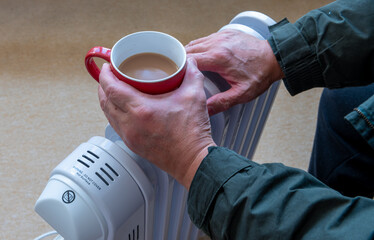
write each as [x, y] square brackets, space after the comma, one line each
[151, 87]
[91, 66]
[159, 87]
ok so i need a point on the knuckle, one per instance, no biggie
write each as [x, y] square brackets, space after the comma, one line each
[228, 100]
[143, 112]
[103, 104]
[195, 97]
[224, 103]
[190, 95]
[223, 54]
[196, 73]
[111, 92]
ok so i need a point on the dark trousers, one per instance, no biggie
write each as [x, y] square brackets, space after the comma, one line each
[341, 158]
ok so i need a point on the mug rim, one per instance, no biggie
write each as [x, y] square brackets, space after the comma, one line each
[180, 68]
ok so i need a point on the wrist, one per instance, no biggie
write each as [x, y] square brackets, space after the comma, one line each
[189, 173]
[274, 66]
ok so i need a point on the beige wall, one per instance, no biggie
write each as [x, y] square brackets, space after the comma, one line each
[48, 102]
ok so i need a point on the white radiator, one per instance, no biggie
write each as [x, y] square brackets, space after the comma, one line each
[104, 191]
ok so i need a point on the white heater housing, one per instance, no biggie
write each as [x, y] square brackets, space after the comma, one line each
[104, 191]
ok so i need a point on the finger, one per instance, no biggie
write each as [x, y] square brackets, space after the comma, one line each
[222, 101]
[209, 42]
[199, 41]
[197, 48]
[104, 104]
[108, 107]
[107, 77]
[102, 97]
[117, 91]
[205, 61]
[111, 112]
[193, 76]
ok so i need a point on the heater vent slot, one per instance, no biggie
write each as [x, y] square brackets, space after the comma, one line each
[83, 163]
[107, 174]
[93, 154]
[111, 169]
[101, 178]
[134, 235]
[89, 159]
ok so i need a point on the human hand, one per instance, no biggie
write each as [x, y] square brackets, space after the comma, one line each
[247, 63]
[171, 130]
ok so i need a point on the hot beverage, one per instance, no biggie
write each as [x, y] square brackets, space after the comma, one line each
[148, 66]
[152, 62]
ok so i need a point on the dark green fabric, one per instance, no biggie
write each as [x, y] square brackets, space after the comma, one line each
[332, 46]
[234, 198]
[296, 58]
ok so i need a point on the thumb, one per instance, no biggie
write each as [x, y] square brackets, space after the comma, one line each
[222, 101]
[119, 92]
[193, 76]
[205, 61]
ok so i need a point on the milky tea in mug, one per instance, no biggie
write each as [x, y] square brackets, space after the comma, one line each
[152, 62]
[148, 66]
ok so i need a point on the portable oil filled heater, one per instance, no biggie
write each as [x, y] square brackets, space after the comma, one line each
[103, 190]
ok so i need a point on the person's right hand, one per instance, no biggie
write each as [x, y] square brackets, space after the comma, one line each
[171, 130]
[248, 64]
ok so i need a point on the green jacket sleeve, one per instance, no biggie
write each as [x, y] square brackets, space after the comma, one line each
[234, 198]
[332, 46]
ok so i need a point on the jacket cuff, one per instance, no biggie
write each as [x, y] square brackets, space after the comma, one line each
[296, 58]
[208, 180]
[362, 119]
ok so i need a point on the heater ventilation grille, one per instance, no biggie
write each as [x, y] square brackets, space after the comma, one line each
[88, 158]
[111, 169]
[106, 173]
[134, 235]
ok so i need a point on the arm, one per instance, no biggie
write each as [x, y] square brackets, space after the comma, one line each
[329, 47]
[234, 198]
[332, 47]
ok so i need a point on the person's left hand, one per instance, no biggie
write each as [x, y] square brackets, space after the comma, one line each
[171, 130]
[247, 63]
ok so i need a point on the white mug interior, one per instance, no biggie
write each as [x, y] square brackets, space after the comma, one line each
[148, 41]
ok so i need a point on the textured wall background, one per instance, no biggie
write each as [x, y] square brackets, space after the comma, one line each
[48, 102]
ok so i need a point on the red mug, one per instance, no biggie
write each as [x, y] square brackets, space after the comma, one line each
[142, 42]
